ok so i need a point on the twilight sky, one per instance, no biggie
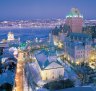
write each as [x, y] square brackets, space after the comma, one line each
[45, 9]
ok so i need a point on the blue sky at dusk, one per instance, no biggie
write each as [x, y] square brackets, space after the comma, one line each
[44, 9]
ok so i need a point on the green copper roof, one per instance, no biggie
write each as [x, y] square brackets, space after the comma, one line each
[74, 13]
[22, 44]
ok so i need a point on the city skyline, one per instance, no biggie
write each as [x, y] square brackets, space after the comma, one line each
[44, 9]
[47, 45]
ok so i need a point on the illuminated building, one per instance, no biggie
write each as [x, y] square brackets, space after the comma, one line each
[21, 55]
[92, 58]
[75, 20]
[95, 40]
[78, 47]
[2, 47]
[10, 36]
[51, 43]
[49, 67]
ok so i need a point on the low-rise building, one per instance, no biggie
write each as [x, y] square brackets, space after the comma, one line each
[10, 36]
[49, 67]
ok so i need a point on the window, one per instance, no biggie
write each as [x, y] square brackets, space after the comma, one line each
[46, 78]
[53, 77]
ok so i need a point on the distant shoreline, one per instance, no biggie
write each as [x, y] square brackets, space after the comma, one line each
[6, 28]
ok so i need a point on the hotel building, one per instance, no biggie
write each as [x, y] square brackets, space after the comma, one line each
[75, 20]
[78, 47]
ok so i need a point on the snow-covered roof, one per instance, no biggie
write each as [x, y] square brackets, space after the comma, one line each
[44, 59]
[42, 89]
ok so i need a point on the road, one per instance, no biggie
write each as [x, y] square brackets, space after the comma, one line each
[19, 77]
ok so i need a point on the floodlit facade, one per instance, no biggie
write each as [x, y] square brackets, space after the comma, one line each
[78, 47]
[49, 67]
[75, 20]
[10, 36]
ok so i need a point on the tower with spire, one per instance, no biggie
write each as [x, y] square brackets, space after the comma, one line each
[51, 45]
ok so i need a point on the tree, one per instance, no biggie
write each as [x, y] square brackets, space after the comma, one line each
[6, 86]
[84, 70]
[55, 31]
[66, 28]
[57, 85]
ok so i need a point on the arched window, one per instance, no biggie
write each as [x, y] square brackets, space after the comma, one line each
[53, 75]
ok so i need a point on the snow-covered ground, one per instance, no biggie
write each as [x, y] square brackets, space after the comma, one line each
[70, 73]
[32, 75]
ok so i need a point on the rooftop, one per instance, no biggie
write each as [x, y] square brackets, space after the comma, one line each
[80, 35]
[74, 13]
[43, 59]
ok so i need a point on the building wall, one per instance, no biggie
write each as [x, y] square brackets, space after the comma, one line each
[94, 40]
[87, 51]
[75, 24]
[21, 55]
[1, 50]
[77, 52]
[52, 74]
[10, 36]
[56, 39]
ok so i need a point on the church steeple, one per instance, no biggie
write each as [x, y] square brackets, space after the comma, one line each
[51, 42]
[51, 45]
